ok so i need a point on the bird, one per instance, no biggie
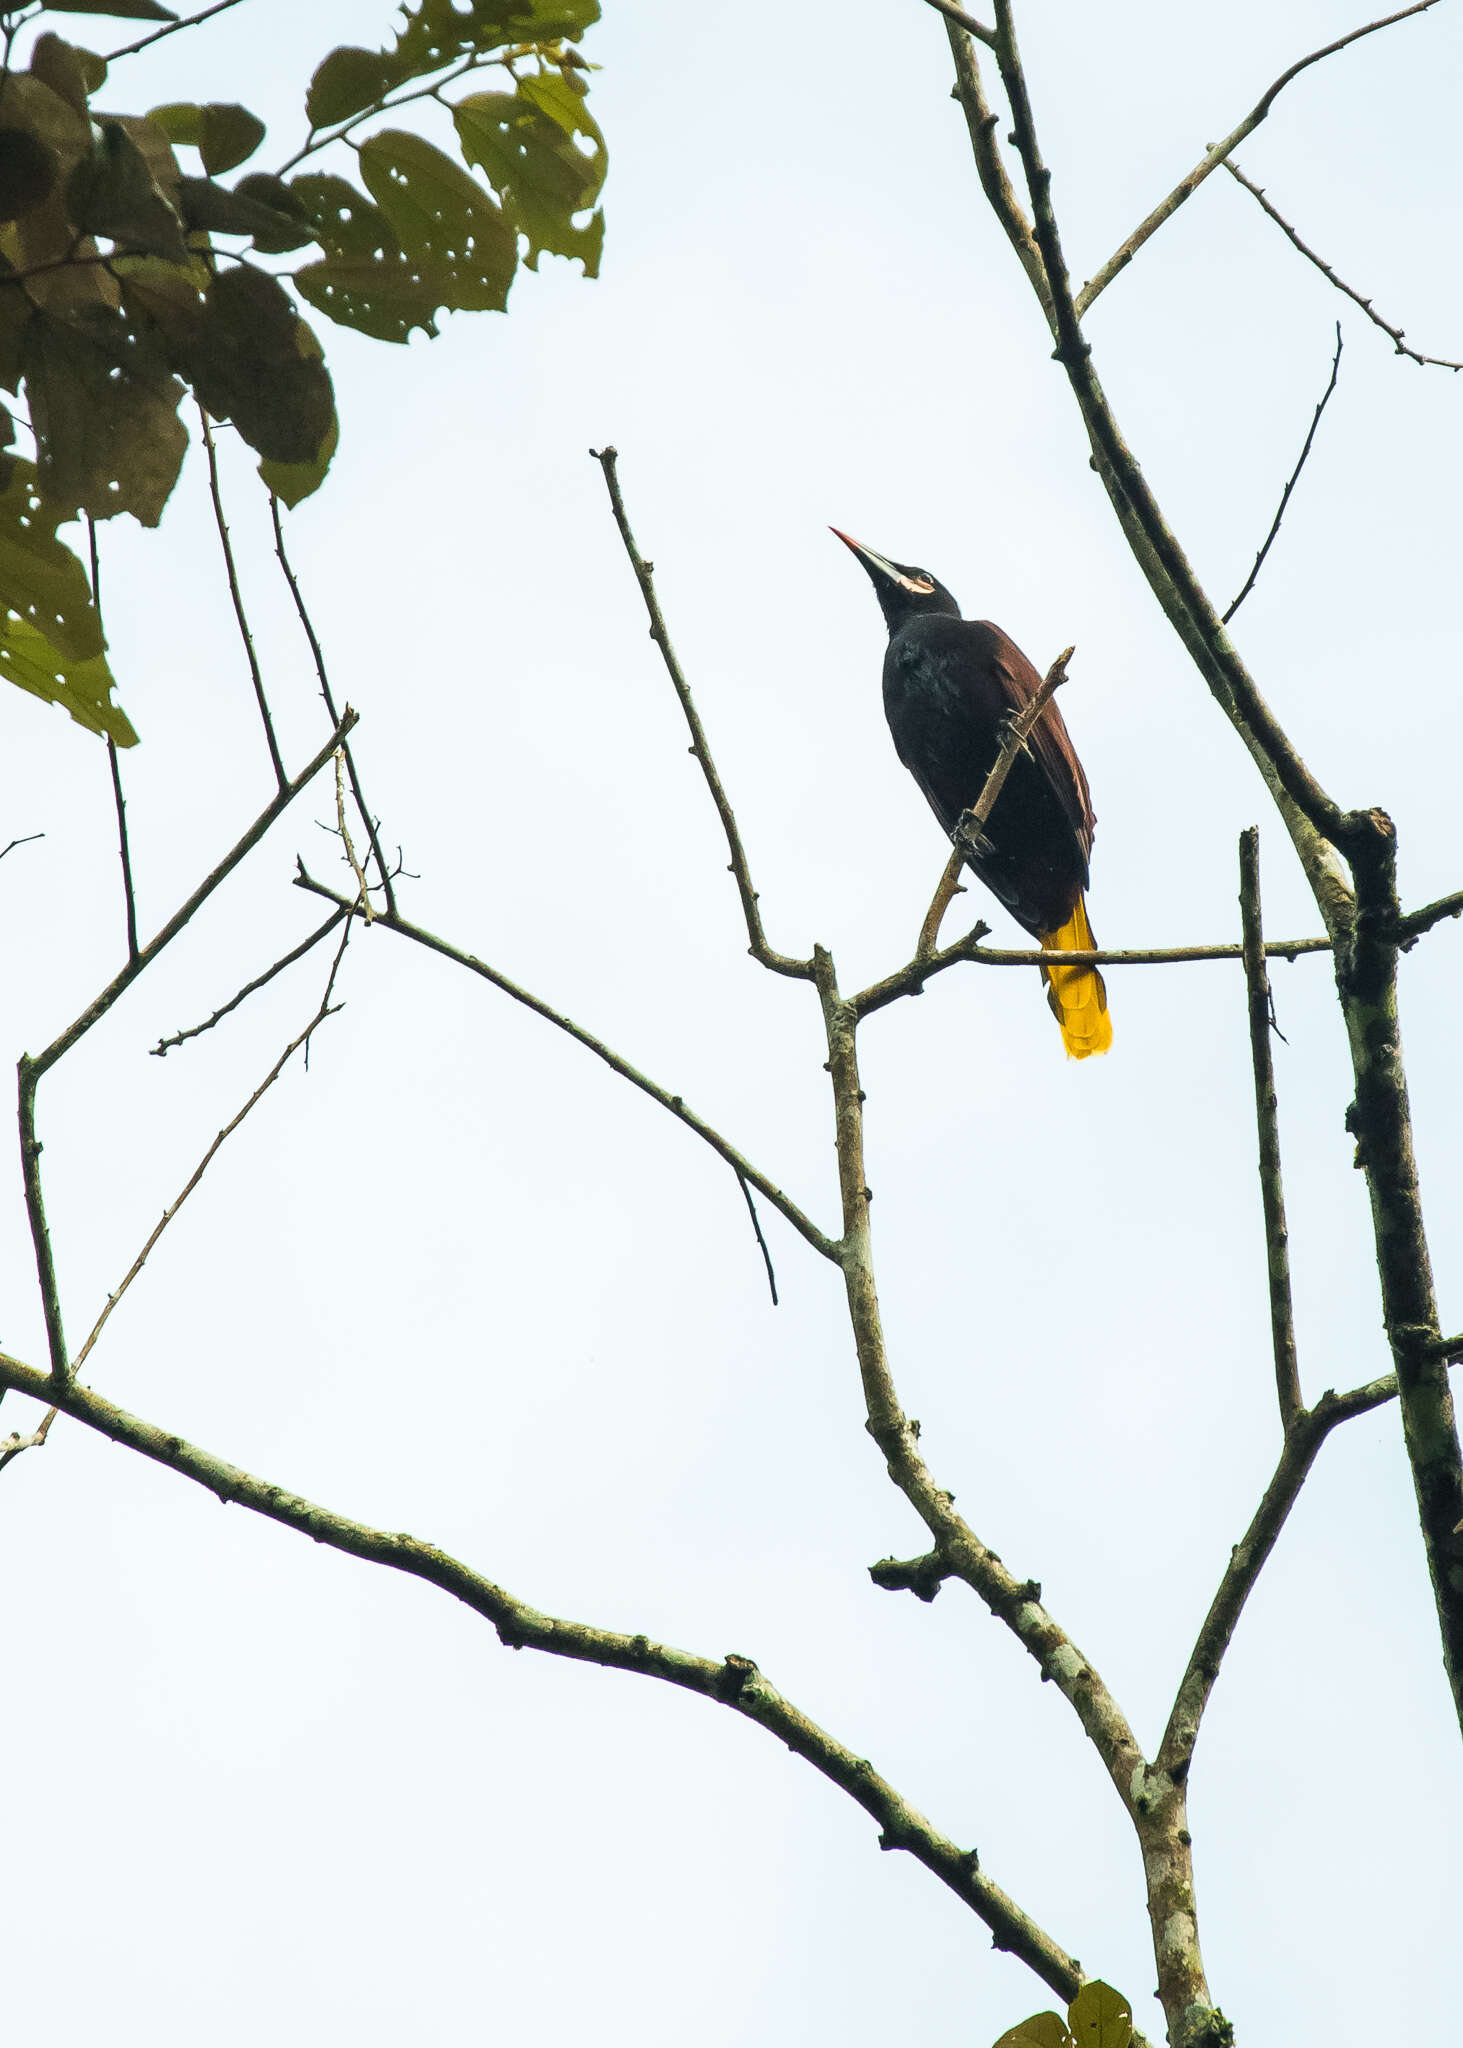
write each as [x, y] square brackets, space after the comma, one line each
[951, 686]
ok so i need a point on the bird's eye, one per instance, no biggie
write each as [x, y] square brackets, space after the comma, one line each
[921, 583]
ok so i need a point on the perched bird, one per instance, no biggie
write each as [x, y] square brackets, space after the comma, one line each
[950, 686]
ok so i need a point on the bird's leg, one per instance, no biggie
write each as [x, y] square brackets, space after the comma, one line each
[969, 836]
[950, 887]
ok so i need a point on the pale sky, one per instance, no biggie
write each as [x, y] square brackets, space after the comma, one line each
[459, 1280]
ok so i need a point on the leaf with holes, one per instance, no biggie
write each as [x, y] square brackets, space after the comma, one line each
[434, 34]
[365, 280]
[443, 220]
[526, 143]
[1100, 2017]
[84, 688]
[254, 361]
[104, 409]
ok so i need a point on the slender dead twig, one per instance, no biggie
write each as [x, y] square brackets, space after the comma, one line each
[255, 674]
[165, 1045]
[326, 1009]
[190, 21]
[1215, 155]
[20, 842]
[761, 1240]
[1257, 192]
[1249, 582]
[317, 653]
[363, 893]
[973, 822]
[26, 1078]
[740, 1166]
[968, 22]
[780, 963]
[1272, 1188]
[733, 1681]
[128, 898]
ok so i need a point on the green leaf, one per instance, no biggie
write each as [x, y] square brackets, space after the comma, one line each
[1100, 2017]
[216, 210]
[291, 229]
[292, 481]
[121, 10]
[28, 172]
[113, 192]
[254, 361]
[59, 66]
[445, 223]
[104, 409]
[180, 120]
[365, 281]
[525, 141]
[227, 137]
[43, 238]
[347, 82]
[50, 636]
[1042, 2030]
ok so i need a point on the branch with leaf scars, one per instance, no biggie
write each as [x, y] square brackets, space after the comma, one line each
[780, 963]
[363, 894]
[1362, 923]
[1249, 582]
[317, 654]
[1272, 1187]
[972, 823]
[968, 22]
[1304, 1437]
[1215, 155]
[1257, 192]
[326, 1009]
[237, 597]
[732, 1681]
[165, 1045]
[741, 1167]
[128, 898]
[1014, 1602]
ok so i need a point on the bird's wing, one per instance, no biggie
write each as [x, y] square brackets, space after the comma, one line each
[1050, 742]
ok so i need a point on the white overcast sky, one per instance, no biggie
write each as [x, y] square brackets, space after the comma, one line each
[459, 1280]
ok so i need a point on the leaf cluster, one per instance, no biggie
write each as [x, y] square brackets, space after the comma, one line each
[1098, 2017]
[135, 268]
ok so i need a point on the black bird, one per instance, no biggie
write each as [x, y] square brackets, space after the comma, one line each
[950, 685]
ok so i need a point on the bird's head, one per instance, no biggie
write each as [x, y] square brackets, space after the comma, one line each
[903, 592]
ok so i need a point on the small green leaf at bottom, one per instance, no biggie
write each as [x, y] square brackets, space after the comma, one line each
[84, 688]
[1100, 2017]
[1042, 2030]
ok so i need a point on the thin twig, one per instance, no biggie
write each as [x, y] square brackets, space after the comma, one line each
[27, 1076]
[363, 892]
[780, 963]
[1413, 923]
[1215, 155]
[192, 21]
[743, 1168]
[318, 656]
[761, 1240]
[327, 1009]
[968, 22]
[910, 979]
[1396, 333]
[117, 797]
[1249, 582]
[165, 1045]
[235, 594]
[120, 983]
[947, 889]
[733, 1681]
[1272, 1188]
[20, 842]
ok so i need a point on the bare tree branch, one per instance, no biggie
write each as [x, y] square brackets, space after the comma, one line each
[1272, 1189]
[761, 1240]
[1413, 923]
[29, 838]
[128, 897]
[733, 1681]
[1215, 155]
[1257, 192]
[780, 963]
[326, 1009]
[190, 21]
[741, 1167]
[1249, 582]
[968, 22]
[165, 1045]
[236, 595]
[317, 653]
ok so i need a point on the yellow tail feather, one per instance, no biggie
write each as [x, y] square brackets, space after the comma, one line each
[1076, 995]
